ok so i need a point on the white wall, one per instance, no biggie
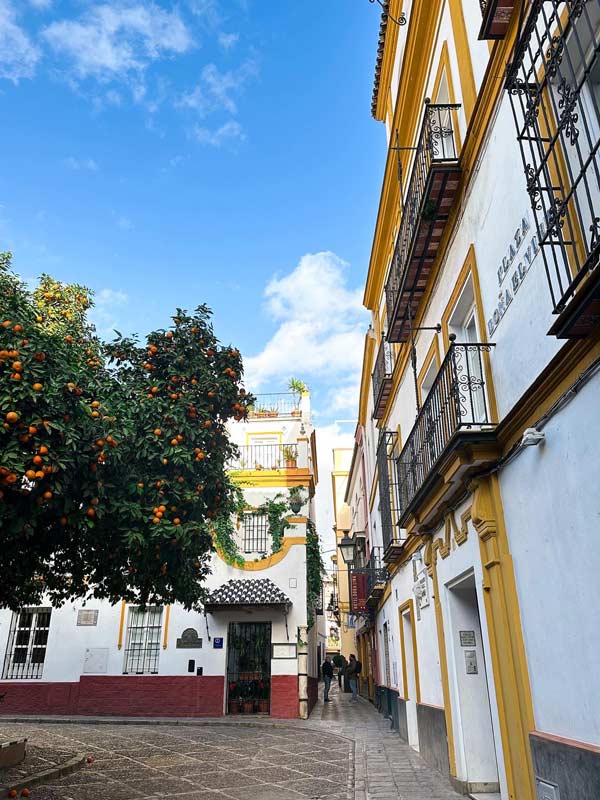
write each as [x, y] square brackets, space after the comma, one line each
[552, 511]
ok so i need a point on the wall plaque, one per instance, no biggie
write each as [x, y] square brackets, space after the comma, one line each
[471, 662]
[189, 640]
[218, 642]
[283, 650]
[87, 616]
[467, 639]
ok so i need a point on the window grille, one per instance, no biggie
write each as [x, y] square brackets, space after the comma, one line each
[143, 640]
[256, 532]
[388, 486]
[554, 87]
[27, 643]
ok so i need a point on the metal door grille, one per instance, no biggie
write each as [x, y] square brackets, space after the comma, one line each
[256, 532]
[553, 84]
[27, 643]
[249, 663]
[143, 640]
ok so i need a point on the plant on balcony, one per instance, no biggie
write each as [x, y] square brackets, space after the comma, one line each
[262, 411]
[290, 457]
[296, 499]
[296, 387]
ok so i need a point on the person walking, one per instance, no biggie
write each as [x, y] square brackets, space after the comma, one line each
[327, 670]
[353, 671]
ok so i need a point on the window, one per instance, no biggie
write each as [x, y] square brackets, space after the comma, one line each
[143, 640]
[429, 379]
[27, 642]
[386, 652]
[463, 323]
[256, 532]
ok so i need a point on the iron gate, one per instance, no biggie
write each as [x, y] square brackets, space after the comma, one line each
[249, 667]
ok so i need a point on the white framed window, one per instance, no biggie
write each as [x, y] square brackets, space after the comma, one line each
[27, 643]
[142, 649]
[256, 532]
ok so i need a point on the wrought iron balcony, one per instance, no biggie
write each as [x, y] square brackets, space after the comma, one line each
[553, 91]
[286, 404]
[382, 378]
[426, 205]
[387, 452]
[265, 456]
[496, 16]
[456, 403]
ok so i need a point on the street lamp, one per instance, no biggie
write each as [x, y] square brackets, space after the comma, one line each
[346, 546]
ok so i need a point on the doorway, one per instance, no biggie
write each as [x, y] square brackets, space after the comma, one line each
[411, 692]
[249, 668]
[475, 746]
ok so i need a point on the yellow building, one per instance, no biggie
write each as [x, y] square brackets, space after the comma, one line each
[479, 392]
[339, 477]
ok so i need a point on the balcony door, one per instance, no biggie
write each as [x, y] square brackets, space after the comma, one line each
[474, 399]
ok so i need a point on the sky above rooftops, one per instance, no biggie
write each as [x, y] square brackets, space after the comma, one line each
[168, 154]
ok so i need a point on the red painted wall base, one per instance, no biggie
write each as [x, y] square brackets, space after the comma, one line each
[138, 696]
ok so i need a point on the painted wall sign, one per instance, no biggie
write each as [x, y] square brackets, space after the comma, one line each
[218, 643]
[527, 244]
[471, 662]
[359, 591]
[87, 617]
[467, 638]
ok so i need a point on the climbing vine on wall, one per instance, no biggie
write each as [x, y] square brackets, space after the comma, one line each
[314, 571]
[225, 530]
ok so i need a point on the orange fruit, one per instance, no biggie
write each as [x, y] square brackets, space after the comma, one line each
[176, 521]
[174, 441]
[157, 432]
[30, 474]
[40, 474]
[37, 387]
[95, 414]
[7, 323]
[95, 404]
[18, 328]
[32, 429]
[12, 416]
[100, 442]
[156, 520]
[17, 366]
[16, 376]
[43, 450]
[38, 460]
[47, 495]
[91, 512]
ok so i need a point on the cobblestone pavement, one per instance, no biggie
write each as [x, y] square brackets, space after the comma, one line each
[345, 751]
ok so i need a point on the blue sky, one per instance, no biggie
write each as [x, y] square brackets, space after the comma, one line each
[221, 151]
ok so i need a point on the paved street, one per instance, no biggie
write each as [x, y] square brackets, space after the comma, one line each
[262, 761]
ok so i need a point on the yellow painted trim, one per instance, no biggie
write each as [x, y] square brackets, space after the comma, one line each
[260, 434]
[410, 607]
[166, 628]
[374, 487]
[463, 56]
[270, 561]
[507, 648]
[389, 56]
[121, 625]
[273, 478]
[470, 269]
[432, 353]
[365, 380]
[445, 67]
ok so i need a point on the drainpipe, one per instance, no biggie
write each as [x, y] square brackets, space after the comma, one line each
[303, 671]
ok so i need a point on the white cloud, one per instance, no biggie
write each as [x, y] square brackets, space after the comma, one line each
[228, 40]
[229, 132]
[321, 330]
[111, 41]
[328, 437]
[81, 163]
[207, 10]
[18, 54]
[103, 314]
[216, 89]
[124, 223]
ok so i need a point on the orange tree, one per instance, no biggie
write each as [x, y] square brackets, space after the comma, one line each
[112, 457]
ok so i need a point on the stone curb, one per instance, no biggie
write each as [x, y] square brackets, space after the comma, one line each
[59, 771]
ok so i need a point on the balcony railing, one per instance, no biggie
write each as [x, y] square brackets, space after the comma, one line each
[496, 16]
[426, 205]
[368, 582]
[275, 405]
[387, 452]
[456, 402]
[265, 456]
[552, 86]
[382, 378]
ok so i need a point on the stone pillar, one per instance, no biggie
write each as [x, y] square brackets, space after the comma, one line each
[303, 671]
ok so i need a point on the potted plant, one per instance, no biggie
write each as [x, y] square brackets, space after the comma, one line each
[264, 687]
[273, 412]
[233, 699]
[251, 410]
[296, 500]
[296, 387]
[262, 412]
[247, 698]
[290, 457]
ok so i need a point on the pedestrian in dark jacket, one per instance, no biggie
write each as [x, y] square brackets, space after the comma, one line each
[353, 670]
[327, 670]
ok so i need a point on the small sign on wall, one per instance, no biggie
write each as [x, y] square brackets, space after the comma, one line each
[87, 616]
[471, 662]
[467, 638]
[218, 643]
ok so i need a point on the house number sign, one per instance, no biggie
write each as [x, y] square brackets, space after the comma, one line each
[218, 643]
